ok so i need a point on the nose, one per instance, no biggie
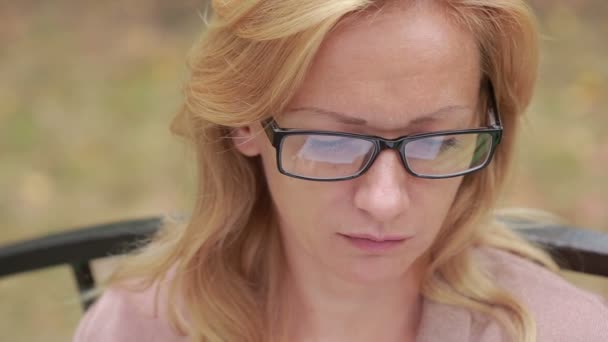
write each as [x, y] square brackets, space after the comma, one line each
[381, 191]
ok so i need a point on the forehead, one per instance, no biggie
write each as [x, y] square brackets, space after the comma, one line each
[393, 63]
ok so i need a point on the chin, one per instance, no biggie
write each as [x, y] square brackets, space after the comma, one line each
[376, 269]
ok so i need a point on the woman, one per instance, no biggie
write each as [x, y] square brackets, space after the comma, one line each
[350, 153]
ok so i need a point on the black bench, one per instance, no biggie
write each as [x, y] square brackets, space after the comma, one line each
[578, 249]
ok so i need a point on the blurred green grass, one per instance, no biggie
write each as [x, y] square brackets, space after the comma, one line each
[88, 89]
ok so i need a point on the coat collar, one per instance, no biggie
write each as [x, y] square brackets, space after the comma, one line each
[442, 322]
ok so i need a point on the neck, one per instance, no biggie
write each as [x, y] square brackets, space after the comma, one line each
[324, 308]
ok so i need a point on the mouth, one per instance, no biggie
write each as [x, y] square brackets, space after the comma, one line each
[374, 243]
[375, 238]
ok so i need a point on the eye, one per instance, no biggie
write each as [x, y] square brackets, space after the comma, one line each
[431, 147]
[449, 143]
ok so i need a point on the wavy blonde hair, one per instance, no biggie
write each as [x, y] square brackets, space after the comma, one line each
[251, 59]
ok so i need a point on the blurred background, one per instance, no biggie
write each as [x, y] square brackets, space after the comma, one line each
[88, 88]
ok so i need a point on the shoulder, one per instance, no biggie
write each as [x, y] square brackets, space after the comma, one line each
[125, 315]
[562, 311]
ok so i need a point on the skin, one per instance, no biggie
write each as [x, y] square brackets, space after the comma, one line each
[390, 68]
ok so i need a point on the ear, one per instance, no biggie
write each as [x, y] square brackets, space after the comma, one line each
[247, 140]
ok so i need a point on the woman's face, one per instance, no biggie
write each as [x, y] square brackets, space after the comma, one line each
[396, 72]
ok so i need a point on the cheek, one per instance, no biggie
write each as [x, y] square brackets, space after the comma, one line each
[430, 201]
[304, 206]
[303, 216]
[437, 199]
[441, 192]
[309, 212]
[297, 201]
[435, 190]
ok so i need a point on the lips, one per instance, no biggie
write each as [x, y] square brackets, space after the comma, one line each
[374, 244]
[375, 238]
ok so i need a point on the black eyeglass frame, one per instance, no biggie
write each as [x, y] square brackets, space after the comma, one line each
[277, 134]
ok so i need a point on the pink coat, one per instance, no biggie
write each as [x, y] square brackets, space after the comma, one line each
[562, 311]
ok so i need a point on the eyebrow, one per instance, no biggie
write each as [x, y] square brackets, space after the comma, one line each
[346, 119]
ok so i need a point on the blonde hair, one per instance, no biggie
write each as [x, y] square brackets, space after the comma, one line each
[248, 64]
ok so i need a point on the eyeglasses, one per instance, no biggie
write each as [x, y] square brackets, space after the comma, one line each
[333, 156]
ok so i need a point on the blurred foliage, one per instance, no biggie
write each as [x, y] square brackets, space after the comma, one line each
[88, 89]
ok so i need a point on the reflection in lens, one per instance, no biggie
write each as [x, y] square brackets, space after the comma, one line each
[324, 156]
[448, 154]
